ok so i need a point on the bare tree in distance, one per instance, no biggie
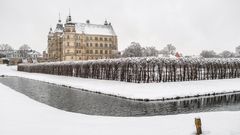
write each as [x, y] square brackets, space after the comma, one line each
[149, 51]
[208, 54]
[134, 50]
[227, 54]
[5, 47]
[25, 47]
[168, 50]
[24, 50]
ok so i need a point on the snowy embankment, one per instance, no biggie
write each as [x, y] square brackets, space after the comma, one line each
[133, 90]
[20, 115]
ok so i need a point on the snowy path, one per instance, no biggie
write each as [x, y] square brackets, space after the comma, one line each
[133, 90]
[21, 115]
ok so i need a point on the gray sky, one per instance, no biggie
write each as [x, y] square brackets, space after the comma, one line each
[190, 25]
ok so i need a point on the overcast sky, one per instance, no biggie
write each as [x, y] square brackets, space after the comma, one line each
[190, 25]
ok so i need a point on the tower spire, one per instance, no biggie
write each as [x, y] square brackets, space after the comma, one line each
[69, 18]
[59, 18]
[69, 12]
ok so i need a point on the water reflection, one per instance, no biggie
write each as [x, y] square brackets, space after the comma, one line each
[76, 100]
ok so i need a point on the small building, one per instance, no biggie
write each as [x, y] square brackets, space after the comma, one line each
[4, 61]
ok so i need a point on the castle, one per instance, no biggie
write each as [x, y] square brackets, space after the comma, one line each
[81, 41]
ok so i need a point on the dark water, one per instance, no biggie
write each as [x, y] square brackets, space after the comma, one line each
[77, 100]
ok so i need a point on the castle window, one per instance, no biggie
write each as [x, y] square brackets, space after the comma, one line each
[96, 38]
[96, 45]
[90, 44]
[96, 51]
[87, 44]
[105, 39]
[110, 39]
[106, 45]
[101, 45]
[67, 43]
[101, 51]
[87, 51]
[110, 45]
[91, 51]
[106, 52]
[101, 38]
[67, 36]
[79, 58]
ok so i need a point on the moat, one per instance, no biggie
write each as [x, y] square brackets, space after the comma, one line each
[82, 101]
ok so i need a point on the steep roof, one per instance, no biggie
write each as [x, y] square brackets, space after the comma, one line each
[59, 27]
[95, 29]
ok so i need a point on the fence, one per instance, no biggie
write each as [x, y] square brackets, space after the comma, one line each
[142, 70]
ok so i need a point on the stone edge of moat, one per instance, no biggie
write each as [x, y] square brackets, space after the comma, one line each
[177, 98]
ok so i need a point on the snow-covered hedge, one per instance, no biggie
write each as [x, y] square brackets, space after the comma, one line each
[142, 70]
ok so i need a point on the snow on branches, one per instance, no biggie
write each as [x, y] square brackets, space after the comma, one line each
[142, 69]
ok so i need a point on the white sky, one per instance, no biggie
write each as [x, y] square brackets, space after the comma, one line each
[190, 25]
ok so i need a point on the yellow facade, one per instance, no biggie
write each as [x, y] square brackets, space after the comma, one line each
[82, 41]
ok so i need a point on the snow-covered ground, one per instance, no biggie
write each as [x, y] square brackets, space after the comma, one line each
[133, 90]
[20, 115]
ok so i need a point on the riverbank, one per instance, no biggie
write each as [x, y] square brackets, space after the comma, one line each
[132, 90]
[24, 116]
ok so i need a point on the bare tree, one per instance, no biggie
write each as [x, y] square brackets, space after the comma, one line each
[208, 54]
[150, 51]
[168, 50]
[226, 54]
[134, 50]
[5, 47]
[25, 47]
[24, 50]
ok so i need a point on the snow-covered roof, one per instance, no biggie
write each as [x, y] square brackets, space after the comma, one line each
[95, 29]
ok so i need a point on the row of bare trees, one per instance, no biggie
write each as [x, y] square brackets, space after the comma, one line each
[142, 70]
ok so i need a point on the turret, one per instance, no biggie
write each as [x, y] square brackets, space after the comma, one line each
[59, 27]
[69, 26]
[50, 31]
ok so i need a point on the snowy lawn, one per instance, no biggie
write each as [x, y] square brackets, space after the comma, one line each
[21, 115]
[133, 90]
